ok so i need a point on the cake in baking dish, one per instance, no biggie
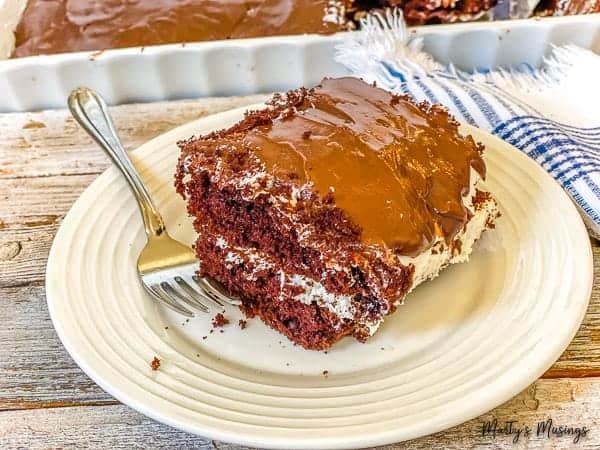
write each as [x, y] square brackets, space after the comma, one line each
[325, 209]
[60, 26]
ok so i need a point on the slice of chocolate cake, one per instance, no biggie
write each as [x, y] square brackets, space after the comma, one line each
[325, 209]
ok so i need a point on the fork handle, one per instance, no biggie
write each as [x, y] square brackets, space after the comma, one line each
[89, 109]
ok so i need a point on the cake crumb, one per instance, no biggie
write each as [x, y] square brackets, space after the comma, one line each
[480, 199]
[219, 321]
[326, 373]
[306, 134]
[155, 364]
[242, 323]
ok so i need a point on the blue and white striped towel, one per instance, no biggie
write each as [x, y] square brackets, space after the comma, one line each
[552, 113]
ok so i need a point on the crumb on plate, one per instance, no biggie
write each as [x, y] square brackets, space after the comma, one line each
[219, 321]
[155, 364]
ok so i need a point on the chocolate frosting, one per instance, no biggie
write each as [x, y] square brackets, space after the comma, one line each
[399, 170]
[57, 26]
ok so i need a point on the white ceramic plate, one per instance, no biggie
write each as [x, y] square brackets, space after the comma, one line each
[461, 345]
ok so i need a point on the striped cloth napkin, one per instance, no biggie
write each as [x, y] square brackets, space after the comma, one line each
[550, 113]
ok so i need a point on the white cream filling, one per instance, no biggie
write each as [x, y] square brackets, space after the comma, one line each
[429, 264]
[314, 291]
[340, 305]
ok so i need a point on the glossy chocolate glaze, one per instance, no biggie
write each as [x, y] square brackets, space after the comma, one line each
[57, 26]
[399, 170]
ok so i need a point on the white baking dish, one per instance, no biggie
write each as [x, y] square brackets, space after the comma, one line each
[247, 66]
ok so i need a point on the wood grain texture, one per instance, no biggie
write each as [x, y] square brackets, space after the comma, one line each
[568, 403]
[51, 143]
[35, 369]
[46, 161]
[114, 426]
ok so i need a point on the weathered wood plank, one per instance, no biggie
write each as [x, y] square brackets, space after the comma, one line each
[109, 427]
[30, 202]
[566, 402]
[582, 357]
[31, 206]
[23, 254]
[46, 161]
[35, 369]
[51, 143]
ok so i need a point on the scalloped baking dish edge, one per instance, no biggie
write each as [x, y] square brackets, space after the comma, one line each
[247, 66]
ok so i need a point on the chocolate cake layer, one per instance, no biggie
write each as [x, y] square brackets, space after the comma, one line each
[319, 210]
[57, 26]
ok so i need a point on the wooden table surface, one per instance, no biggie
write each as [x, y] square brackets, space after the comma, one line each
[46, 401]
